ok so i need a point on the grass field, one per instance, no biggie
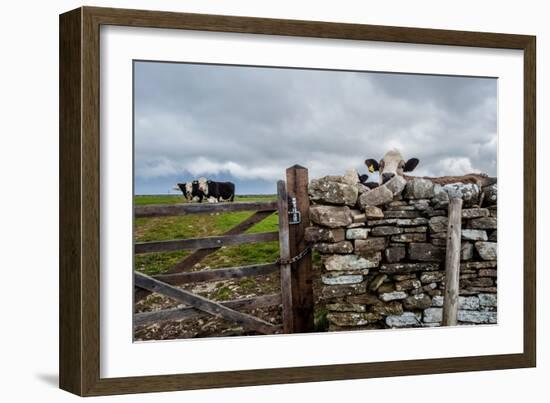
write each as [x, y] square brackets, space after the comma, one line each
[203, 225]
[172, 199]
[191, 226]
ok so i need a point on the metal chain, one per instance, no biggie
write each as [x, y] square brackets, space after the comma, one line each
[295, 258]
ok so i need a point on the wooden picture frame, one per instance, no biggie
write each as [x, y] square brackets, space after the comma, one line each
[79, 201]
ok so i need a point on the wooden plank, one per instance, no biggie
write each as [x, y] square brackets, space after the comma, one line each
[70, 203]
[452, 263]
[188, 312]
[189, 261]
[204, 304]
[284, 253]
[202, 243]
[166, 210]
[218, 274]
[200, 254]
[530, 204]
[302, 289]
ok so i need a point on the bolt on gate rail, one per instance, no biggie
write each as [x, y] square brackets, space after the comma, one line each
[294, 263]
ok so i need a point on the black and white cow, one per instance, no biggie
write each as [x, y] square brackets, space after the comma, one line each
[393, 164]
[217, 190]
[190, 190]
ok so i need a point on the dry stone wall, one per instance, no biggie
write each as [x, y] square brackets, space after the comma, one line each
[383, 251]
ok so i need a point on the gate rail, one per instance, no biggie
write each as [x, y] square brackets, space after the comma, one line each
[296, 296]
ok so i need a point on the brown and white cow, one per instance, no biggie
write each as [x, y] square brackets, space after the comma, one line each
[393, 164]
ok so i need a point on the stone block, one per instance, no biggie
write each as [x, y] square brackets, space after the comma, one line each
[441, 198]
[363, 299]
[406, 319]
[357, 233]
[395, 254]
[432, 277]
[330, 216]
[346, 307]
[478, 265]
[417, 302]
[411, 222]
[376, 197]
[398, 268]
[393, 296]
[396, 184]
[438, 224]
[475, 212]
[483, 223]
[477, 317]
[377, 281]
[488, 273]
[487, 250]
[336, 291]
[433, 315]
[420, 230]
[329, 192]
[373, 213]
[419, 188]
[408, 238]
[345, 279]
[490, 195]
[406, 285]
[466, 251]
[488, 300]
[323, 234]
[372, 244]
[468, 192]
[390, 308]
[330, 248]
[385, 230]
[464, 303]
[353, 318]
[426, 252]
[474, 235]
[401, 214]
[349, 263]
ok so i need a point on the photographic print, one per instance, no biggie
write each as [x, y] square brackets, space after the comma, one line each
[251, 201]
[274, 200]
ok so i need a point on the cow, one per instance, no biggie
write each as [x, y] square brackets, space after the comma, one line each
[217, 190]
[181, 187]
[190, 190]
[364, 180]
[393, 164]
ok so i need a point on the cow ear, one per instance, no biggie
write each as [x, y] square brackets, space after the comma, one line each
[372, 165]
[363, 178]
[410, 165]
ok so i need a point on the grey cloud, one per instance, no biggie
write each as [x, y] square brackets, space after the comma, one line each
[252, 123]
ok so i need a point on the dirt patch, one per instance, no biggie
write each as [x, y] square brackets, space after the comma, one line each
[220, 291]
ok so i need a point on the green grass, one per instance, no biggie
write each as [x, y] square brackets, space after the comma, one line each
[201, 225]
[320, 320]
[143, 200]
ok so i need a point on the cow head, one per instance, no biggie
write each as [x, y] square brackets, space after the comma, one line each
[185, 188]
[392, 164]
[203, 185]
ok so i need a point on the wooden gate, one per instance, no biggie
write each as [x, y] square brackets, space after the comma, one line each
[294, 263]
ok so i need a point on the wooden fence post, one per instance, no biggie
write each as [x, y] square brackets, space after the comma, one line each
[301, 272]
[452, 263]
[284, 254]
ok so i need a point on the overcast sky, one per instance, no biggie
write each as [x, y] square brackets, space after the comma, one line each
[248, 124]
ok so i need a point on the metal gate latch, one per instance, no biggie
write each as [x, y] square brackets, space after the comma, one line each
[294, 216]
